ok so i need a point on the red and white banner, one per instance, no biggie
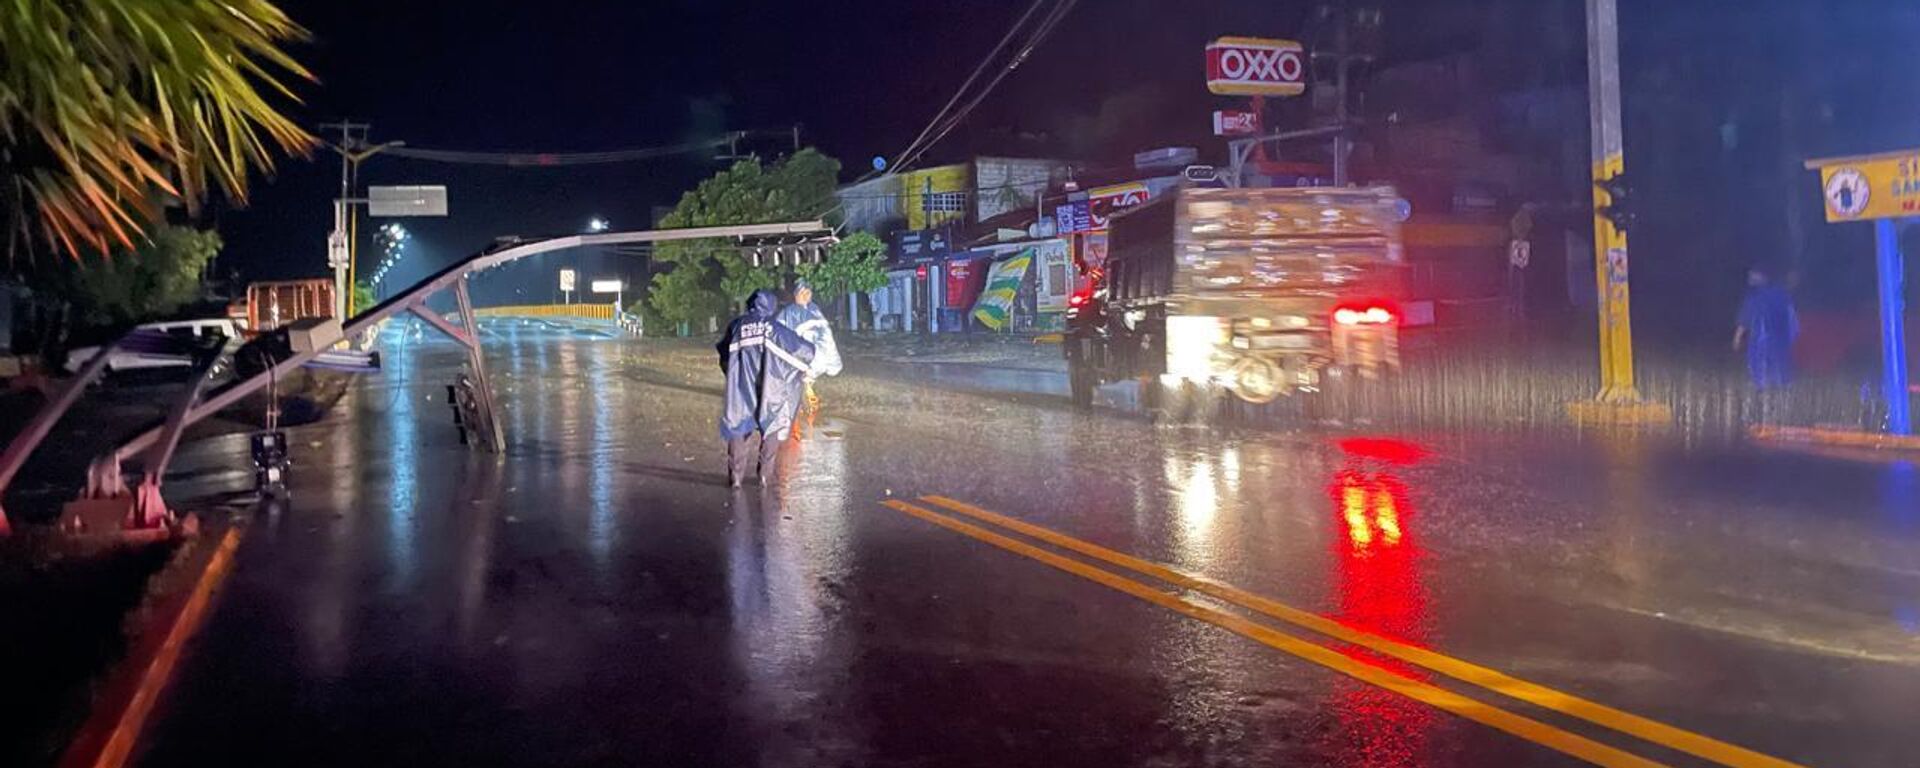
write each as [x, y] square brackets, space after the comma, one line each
[1252, 66]
[1235, 122]
[1103, 202]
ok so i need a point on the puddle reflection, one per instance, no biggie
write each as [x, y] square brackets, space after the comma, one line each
[1379, 588]
[789, 555]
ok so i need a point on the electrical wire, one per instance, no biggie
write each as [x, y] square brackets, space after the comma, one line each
[555, 159]
[971, 78]
[942, 121]
[1045, 27]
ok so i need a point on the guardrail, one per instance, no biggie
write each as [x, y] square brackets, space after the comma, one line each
[583, 311]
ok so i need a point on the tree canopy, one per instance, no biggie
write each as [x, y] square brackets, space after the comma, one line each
[107, 106]
[152, 281]
[855, 265]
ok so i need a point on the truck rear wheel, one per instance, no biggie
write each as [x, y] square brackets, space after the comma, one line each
[1257, 381]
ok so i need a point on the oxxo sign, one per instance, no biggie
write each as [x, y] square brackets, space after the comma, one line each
[1252, 66]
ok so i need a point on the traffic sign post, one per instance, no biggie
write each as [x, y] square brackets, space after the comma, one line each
[1883, 189]
[616, 287]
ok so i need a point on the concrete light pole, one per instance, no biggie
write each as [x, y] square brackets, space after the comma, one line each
[1619, 398]
[353, 149]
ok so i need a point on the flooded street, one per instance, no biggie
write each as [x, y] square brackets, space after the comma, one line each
[957, 568]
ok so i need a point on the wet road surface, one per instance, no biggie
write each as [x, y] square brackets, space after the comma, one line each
[947, 577]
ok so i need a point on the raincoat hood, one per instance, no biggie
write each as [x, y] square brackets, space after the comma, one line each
[762, 303]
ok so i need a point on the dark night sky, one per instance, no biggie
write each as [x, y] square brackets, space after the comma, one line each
[862, 76]
[1704, 120]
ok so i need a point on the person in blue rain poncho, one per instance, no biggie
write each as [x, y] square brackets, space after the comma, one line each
[765, 363]
[806, 319]
[1765, 331]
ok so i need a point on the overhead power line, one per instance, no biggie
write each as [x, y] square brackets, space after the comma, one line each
[944, 121]
[1039, 33]
[555, 159]
[968, 83]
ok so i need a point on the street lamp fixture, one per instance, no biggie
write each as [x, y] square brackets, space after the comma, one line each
[597, 224]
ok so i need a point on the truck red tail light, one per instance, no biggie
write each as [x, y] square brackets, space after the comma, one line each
[1367, 315]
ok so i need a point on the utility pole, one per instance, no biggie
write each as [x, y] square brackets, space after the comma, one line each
[353, 148]
[1343, 15]
[1619, 399]
[1342, 45]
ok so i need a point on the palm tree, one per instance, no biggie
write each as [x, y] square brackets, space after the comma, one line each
[109, 106]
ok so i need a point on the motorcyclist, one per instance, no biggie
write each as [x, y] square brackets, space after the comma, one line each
[765, 363]
[806, 319]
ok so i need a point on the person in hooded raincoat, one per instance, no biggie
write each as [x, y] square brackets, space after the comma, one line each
[1765, 330]
[765, 363]
[806, 319]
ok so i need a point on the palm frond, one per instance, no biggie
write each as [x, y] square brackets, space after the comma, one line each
[105, 103]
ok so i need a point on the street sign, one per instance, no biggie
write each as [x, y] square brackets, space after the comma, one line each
[336, 249]
[1864, 187]
[407, 201]
[567, 277]
[1882, 188]
[1235, 122]
[1072, 217]
[1252, 66]
[607, 286]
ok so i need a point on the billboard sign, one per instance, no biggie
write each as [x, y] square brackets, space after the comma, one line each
[608, 286]
[407, 201]
[1103, 202]
[1235, 122]
[1885, 186]
[1253, 66]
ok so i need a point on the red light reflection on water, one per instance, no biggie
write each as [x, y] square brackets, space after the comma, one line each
[1379, 589]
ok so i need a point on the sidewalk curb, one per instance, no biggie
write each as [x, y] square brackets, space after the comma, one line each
[110, 733]
[1844, 438]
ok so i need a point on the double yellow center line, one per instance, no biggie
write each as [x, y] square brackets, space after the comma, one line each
[1471, 709]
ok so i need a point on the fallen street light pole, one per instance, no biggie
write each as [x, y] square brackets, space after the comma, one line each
[43, 420]
[105, 471]
[415, 300]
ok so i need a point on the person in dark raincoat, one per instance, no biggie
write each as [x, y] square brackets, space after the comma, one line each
[1767, 327]
[765, 364]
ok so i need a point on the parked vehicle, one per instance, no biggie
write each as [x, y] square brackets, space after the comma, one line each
[1261, 293]
[122, 361]
[272, 305]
